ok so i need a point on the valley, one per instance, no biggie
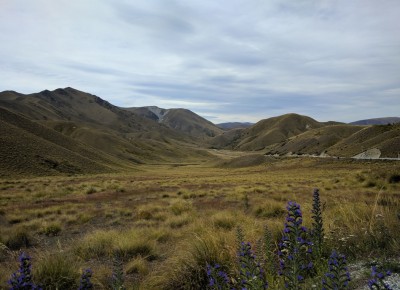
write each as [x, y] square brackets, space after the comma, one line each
[84, 183]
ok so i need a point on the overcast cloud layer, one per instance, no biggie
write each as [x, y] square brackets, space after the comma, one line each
[236, 60]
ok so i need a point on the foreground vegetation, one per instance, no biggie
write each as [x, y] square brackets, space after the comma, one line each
[167, 222]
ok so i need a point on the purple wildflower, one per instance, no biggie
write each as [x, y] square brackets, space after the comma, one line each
[377, 279]
[85, 283]
[294, 249]
[22, 280]
[338, 276]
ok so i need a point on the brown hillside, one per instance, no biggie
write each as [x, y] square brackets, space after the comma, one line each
[124, 137]
[227, 140]
[314, 141]
[28, 148]
[383, 137]
[181, 120]
[266, 132]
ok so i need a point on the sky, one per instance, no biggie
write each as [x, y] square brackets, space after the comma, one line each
[236, 60]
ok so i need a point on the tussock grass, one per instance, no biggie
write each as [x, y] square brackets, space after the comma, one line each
[56, 271]
[96, 245]
[180, 207]
[270, 209]
[177, 222]
[138, 265]
[186, 269]
[18, 238]
[173, 236]
[224, 220]
[125, 244]
[52, 229]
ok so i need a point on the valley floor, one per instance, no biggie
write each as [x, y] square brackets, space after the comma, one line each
[159, 217]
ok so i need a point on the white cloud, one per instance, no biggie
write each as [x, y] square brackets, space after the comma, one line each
[257, 58]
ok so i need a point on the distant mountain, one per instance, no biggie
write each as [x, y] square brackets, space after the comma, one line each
[377, 121]
[234, 125]
[181, 120]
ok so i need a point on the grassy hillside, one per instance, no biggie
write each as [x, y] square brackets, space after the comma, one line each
[314, 141]
[29, 148]
[298, 134]
[180, 120]
[113, 138]
[124, 137]
[383, 137]
[266, 132]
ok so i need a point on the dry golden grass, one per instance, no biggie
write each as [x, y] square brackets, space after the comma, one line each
[165, 222]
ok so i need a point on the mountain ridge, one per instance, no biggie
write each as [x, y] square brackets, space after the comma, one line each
[377, 121]
[67, 131]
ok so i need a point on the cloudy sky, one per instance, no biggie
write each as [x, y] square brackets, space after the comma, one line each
[236, 60]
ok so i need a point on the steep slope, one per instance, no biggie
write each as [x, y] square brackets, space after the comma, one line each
[29, 148]
[265, 133]
[377, 121]
[120, 134]
[181, 120]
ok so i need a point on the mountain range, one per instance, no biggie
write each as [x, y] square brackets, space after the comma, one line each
[69, 131]
[377, 121]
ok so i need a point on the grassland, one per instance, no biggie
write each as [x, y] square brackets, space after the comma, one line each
[166, 221]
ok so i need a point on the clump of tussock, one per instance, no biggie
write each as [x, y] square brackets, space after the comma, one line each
[126, 244]
[185, 270]
[56, 271]
[224, 220]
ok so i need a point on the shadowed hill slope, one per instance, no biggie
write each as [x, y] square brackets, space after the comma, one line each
[234, 125]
